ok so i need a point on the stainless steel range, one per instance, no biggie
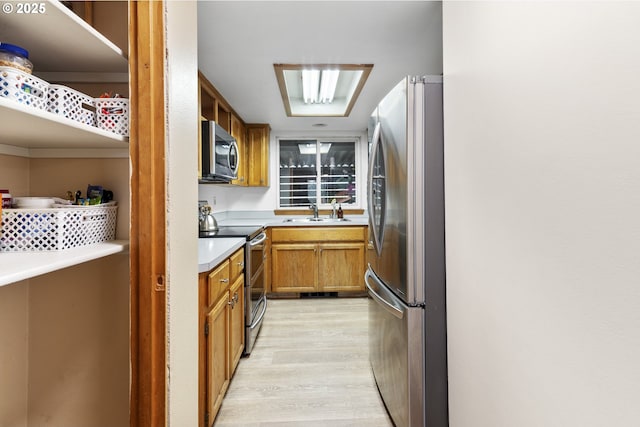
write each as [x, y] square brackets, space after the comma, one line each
[254, 281]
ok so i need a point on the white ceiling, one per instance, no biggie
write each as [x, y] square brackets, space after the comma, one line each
[239, 41]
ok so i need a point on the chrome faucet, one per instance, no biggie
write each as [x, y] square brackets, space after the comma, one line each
[314, 207]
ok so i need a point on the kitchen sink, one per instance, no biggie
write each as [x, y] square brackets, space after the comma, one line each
[312, 219]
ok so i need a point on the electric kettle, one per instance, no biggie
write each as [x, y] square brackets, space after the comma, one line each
[207, 220]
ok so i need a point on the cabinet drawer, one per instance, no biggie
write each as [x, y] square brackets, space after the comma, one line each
[237, 264]
[218, 281]
[318, 234]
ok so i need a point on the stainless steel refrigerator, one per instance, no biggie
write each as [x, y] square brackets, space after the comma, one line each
[405, 278]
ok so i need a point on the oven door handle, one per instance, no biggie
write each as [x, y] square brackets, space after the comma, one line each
[264, 310]
[259, 239]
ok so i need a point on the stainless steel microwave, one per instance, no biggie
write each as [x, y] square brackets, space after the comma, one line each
[220, 155]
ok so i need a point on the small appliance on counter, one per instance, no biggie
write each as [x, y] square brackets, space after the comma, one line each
[207, 221]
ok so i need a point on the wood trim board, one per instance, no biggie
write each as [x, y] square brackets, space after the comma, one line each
[148, 222]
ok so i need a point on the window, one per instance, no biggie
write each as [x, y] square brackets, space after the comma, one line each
[307, 165]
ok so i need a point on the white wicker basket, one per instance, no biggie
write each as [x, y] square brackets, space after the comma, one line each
[71, 104]
[112, 114]
[23, 88]
[29, 230]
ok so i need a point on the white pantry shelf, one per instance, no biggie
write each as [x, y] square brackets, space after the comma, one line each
[25, 126]
[17, 266]
[59, 43]
[58, 40]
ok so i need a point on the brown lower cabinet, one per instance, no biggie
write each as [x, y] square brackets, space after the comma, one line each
[318, 259]
[221, 295]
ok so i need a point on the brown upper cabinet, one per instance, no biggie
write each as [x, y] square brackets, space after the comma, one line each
[239, 132]
[212, 105]
[252, 139]
[258, 151]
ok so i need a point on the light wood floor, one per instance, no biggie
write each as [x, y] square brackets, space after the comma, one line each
[309, 367]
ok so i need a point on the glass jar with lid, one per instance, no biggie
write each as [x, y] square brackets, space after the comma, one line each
[16, 57]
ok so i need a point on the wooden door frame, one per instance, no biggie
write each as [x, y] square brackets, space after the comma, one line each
[148, 352]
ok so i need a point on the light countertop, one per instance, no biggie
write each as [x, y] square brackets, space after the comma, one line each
[280, 221]
[212, 252]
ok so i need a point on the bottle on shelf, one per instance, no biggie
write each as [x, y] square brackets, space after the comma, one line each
[340, 212]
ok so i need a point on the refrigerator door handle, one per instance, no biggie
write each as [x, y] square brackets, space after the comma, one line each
[377, 150]
[375, 139]
[389, 306]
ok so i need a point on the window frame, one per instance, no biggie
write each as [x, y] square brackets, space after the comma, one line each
[319, 140]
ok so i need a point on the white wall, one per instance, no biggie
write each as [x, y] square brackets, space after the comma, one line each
[234, 198]
[14, 356]
[182, 246]
[78, 335]
[542, 153]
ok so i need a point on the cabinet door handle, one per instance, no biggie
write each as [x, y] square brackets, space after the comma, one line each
[241, 264]
[224, 280]
[232, 302]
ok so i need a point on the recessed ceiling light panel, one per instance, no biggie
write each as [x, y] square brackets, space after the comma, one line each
[320, 89]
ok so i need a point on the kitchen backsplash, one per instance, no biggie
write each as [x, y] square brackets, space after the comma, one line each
[236, 198]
